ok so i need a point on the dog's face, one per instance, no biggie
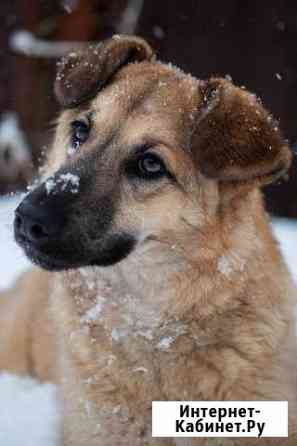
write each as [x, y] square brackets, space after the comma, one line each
[132, 151]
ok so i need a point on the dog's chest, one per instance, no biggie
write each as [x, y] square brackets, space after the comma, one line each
[108, 312]
[125, 343]
[117, 350]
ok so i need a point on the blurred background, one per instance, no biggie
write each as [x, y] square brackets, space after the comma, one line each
[253, 42]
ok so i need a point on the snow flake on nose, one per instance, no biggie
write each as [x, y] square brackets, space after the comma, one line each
[64, 181]
[50, 185]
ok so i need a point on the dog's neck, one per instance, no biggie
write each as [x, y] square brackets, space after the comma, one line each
[130, 298]
[160, 283]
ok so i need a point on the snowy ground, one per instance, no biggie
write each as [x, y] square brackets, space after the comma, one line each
[12, 260]
[29, 414]
[28, 410]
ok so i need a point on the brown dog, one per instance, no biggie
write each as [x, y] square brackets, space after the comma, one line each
[170, 283]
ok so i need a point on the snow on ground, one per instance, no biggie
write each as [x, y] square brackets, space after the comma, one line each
[29, 414]
[12, 260]
[286, 232]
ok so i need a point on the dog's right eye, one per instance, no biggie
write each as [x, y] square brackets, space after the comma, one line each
[147, 166]
[80, 131]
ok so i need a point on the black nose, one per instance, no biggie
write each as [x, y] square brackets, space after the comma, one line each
[35, 223]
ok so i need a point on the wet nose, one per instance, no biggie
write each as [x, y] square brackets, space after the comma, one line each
[35, 223]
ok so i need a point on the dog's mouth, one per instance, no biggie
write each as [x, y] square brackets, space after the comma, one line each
[59, 257]
[42, 259]
[56, 237]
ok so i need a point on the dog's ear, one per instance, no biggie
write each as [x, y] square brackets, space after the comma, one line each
[235, 138]
[84, 72]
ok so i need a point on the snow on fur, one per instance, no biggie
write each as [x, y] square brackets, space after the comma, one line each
[64, 181]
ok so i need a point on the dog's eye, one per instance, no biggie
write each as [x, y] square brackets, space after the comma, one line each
[80, 133]
[150, 166]
[146, 166]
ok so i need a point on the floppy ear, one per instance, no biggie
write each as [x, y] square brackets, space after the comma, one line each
[235, 138]
[84, 72]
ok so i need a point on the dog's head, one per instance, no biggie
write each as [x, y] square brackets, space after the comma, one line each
[134, 145]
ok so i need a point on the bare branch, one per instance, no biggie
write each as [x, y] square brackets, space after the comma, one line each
[130, 17]
[24, 42]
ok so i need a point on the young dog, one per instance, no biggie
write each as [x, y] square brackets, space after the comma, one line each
[166, 282]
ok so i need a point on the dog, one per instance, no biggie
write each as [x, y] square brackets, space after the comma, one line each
[160, 278]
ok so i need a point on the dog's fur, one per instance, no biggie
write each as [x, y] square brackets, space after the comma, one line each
[172, 288]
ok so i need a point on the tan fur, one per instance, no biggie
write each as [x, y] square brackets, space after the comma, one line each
[27, 342]
[202, 310]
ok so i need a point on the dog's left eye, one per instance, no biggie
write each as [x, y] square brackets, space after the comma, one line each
[80, 131]
[150, 166]
[147, 166]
